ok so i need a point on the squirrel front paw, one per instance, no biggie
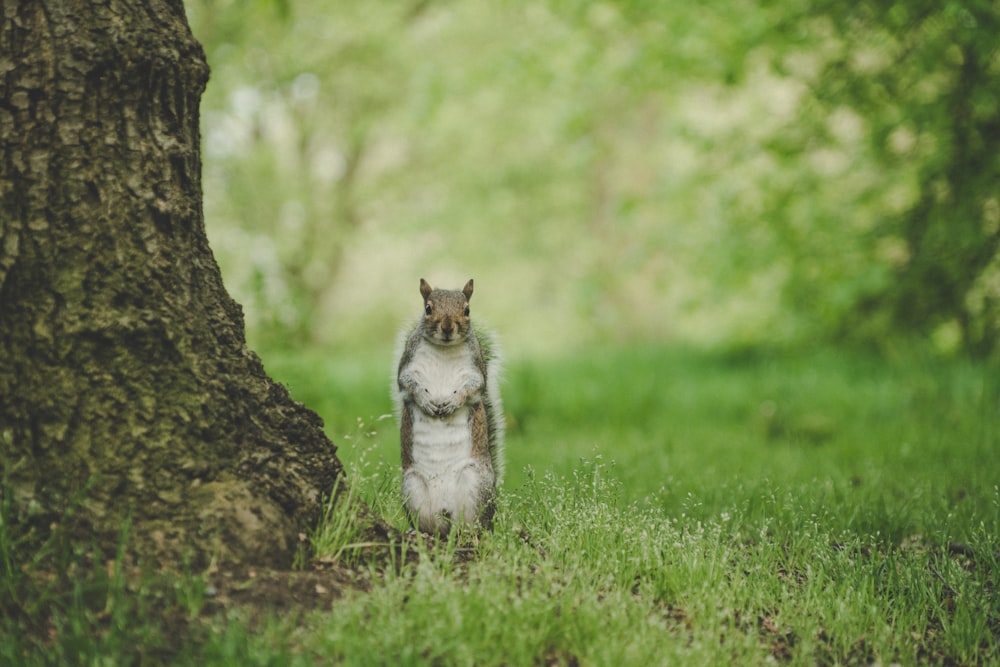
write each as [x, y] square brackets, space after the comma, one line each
[427, 405]
[445, 407]
[438, 408]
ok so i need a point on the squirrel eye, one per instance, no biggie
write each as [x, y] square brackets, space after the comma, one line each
[427, 309]
[466, 311]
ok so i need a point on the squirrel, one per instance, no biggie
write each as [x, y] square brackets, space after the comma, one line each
[451, 424]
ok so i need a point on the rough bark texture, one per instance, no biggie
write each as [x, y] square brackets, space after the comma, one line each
[127, 392]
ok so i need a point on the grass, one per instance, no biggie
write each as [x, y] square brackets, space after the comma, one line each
[68, 604]
[666, 506]
[810, 507]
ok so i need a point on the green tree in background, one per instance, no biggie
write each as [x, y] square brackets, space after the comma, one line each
[300, 93]
[880, 191]
[728, 173]
[925, 77]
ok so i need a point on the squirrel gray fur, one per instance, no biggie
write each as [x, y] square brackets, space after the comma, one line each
[451, 423]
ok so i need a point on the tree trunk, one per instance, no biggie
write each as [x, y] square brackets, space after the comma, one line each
[127, 393]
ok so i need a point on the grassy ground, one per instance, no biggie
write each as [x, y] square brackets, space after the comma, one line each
[661, 506]
[810, 507]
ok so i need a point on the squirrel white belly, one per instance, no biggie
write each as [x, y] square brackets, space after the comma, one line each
[450, 416]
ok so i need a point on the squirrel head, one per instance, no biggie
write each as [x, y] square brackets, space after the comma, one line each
[446, 313]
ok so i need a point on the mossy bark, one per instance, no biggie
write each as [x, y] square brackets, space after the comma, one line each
[127, 392]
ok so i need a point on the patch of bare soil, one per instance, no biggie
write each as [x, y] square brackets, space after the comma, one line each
[259, 591]
[277, 591]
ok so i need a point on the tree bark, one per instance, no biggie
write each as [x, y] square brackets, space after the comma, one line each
[127, 393]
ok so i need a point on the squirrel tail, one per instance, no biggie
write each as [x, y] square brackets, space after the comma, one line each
[495, 424]
[402, 338]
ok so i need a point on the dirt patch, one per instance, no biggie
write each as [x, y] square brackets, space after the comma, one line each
[262, 591]
[315, 587]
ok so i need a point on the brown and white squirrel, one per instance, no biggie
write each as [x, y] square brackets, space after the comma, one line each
[451, 424]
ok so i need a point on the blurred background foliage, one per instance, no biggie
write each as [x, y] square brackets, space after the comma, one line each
[735, 173]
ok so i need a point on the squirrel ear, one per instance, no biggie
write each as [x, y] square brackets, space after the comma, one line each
[425, 289]
[467, 290]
